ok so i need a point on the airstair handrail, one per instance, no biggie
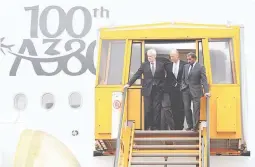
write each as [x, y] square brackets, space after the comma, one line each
[208, 130]
[118, 143]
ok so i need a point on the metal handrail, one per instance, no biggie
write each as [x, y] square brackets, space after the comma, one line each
[208, 130]
[116, 158]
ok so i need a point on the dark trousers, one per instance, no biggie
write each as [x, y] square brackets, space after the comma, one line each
[178, 108]
[167, 122]
[187, 98]
[152, 108]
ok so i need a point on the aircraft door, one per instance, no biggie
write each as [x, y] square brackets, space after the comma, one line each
[135, 99]
[220, 60]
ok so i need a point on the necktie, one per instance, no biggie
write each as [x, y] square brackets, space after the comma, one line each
[191, 66]
[175, 70]
[152, 69]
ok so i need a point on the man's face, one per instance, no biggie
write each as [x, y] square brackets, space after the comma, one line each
[174, 57]
[151, 58]
[190, 60]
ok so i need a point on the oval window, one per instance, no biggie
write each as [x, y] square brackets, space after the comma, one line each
[75, 100]
[48, 101]
[20, 101]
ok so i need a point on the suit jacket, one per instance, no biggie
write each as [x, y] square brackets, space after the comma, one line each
[195, 80]
[171, 81]
[158, 79]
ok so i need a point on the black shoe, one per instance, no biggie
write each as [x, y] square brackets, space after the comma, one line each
[188, 129]
[194, 129]
[170, 128]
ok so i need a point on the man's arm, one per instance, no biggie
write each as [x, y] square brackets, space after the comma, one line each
[183, 77]
[204, 80]
[137, 75]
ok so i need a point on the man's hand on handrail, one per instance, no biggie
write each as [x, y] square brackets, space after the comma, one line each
[126, 86]
[207, 95]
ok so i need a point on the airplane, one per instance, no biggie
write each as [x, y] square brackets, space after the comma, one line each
[48, 115]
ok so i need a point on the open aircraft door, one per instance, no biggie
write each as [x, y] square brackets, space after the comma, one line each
[221, 59]
[135, 107]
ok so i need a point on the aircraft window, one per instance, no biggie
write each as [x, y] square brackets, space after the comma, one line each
[136, 60]
[20, 102]
[48, 101]
[75, 100]
[164, 48]
[222, 61]
[111, 62]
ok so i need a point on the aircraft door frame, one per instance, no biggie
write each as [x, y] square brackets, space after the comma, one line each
[134, 91]
[225, 97]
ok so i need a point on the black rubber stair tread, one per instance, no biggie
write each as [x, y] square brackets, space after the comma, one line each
[165, 146]
[164, 132]
[167, 139]
[164, 163]
[165, 154]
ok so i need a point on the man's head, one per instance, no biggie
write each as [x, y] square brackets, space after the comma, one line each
[191, 58]
[174, 55]
[151, 54]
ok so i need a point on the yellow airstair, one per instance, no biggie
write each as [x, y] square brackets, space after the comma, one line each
[121, 50]
[170, 147]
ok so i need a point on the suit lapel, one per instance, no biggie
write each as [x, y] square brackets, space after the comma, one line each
[191, 70]
[179, 70]
[149, 66]
[155, 69]
[187, 71]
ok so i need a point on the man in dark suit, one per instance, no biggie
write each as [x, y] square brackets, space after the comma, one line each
[152, 88]
[193, 78]
[173, 82]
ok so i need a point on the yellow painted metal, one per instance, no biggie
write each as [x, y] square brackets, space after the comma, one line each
[134, 105]
[203, 99]
[164, 33]
[131, 145]
[221, 128]
[126, 61]
[200, 146]
[103, 116]
[225, 103]
[205, 146]
[126, 145]
[98, 61]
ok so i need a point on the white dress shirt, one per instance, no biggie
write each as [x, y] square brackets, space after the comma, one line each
[192, 67]
[176, 68]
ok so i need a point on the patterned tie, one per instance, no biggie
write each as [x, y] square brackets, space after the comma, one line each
[152, 69]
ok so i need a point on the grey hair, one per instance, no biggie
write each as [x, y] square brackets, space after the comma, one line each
[174, 51]
[152, 52]
[193, 55]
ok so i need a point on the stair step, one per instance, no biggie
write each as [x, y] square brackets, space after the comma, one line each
[167, 139]
[166, 132]
[165, 154]
[165, 151]
[164, 163]
[165, 146]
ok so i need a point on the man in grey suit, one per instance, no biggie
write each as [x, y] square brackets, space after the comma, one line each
[193, 78]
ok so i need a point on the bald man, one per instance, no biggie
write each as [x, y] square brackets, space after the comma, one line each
[174, 75]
